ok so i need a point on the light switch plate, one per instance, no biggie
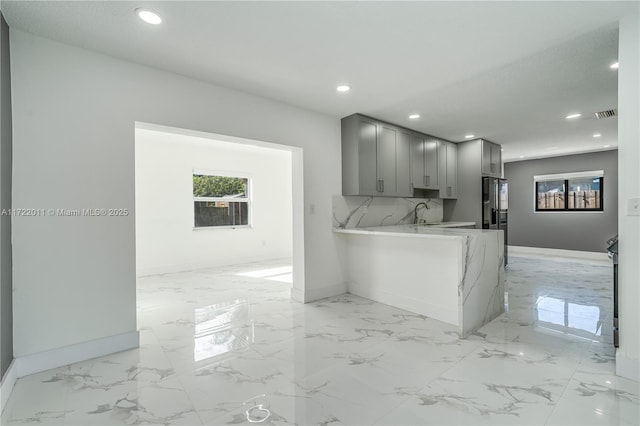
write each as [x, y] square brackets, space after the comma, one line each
[634, 207]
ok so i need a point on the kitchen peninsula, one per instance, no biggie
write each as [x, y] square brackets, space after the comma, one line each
[450, 274]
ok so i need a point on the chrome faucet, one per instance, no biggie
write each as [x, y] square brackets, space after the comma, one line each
[415, 211]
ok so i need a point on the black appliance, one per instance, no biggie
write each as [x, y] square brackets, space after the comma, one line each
[495, 204]
[612, 252]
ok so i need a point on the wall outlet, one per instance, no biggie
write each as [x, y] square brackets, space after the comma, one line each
[634, 207]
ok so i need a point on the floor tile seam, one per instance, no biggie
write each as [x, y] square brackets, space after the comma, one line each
[575, 359]
[527, 381]
[193, 405]
[395, 407]
[173, 365]
[562, 396]
[310, 398]
[372, 389]
[444, 372]
[585, 354]
[532, 343]
[196, 410]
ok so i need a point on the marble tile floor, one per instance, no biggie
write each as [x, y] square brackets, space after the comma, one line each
[227, 346]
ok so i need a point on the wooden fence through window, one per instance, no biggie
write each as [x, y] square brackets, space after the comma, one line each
[576, 200]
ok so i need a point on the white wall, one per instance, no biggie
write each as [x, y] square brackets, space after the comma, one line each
[74, 115]
[628, 355]
[166, 240]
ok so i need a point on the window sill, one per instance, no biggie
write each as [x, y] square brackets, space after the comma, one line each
[209, 228]
[568, 211]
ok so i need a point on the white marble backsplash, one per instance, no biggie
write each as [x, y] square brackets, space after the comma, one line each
[361, 212]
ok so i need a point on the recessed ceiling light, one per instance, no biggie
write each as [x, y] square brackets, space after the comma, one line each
[522, 156]
[469, 136]
[343, 88]
[149, 16]
[596, 135]
[606, 146]
[414, 116]
[501, 149]
[614, 66]
[576, 115]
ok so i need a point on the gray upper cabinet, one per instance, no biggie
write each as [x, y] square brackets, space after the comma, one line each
[448, 169]
[424, 161]
[403, 164]
[491, 159]
[375, 158]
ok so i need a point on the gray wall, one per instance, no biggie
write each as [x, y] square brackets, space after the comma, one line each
[6, 311]
[74, 113]
[585, 231]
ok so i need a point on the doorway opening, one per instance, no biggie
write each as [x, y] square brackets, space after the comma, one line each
[218, 230]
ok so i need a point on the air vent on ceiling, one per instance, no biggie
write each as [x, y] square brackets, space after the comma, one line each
[606, 114]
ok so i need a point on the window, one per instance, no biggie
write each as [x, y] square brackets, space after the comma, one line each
[221, 201]
[581, 191]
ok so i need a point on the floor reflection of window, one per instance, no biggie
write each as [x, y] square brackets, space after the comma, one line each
[584, 317]
[221, 329]
[551, 310]
[571, 318]
[283, 274]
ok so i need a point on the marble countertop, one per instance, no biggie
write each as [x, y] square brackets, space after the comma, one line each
[449, 224]
[412, 231]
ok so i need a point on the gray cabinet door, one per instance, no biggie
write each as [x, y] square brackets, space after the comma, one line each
[417, 161]
[403, 164]
[448, 169]
[368, 155]
[452, 171]
[496, 160]
[431, 164]
[486, 158]
[387, 159]
[424, 162]
[491, 159]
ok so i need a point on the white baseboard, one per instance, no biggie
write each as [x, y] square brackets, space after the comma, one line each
[311, 295]
[297, 295]
[176, 269]
[7, 383]
[557, 254]
[41, 361]
[627, 367]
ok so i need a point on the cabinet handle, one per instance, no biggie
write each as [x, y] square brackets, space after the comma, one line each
[378, 188]
[448, 190]
[427, 180]
[382, 182]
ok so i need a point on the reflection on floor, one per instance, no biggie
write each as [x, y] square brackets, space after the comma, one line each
[227, 346]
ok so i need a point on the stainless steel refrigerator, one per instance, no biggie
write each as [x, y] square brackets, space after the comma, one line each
[495, 206]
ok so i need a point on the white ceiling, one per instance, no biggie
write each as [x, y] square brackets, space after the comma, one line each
[505, 71]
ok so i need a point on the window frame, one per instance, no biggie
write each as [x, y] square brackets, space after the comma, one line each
[246, 199]
[566, 178]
